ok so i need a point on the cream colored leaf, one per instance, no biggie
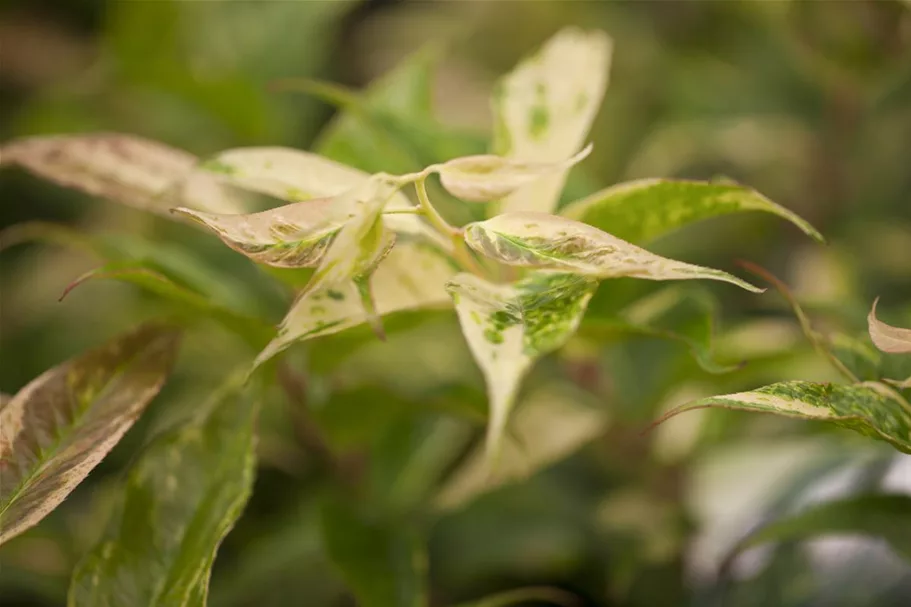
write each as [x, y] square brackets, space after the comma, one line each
[130, 170]
[413, 276]
[59, 426]
[887, 338]
[544, 109]
[508, 327]
[539, 240]
[487, 177]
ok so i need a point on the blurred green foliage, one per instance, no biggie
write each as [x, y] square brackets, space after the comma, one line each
[808, 102]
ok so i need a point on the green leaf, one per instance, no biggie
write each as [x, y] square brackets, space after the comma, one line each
[545, 107]
[542, 241]
[641, 211]
[882, 515]
[487, 177]
[522, 596]
[413, 276]
[59, 426]
[181, 498]
[130, 170]
[887, 338]
[870, 408]
[384, 566]
[508, 327]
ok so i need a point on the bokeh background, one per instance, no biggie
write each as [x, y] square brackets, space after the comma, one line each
[808, 102]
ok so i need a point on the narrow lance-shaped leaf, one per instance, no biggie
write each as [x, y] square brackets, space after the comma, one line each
[539, 240]
[130, 170]
[881, 515]
[59, 426]
[487, 177]
[544, 109]
[887, 338]
[412, 276]
[508, 327]
[643, 210]
[181, 498]
[870, 408]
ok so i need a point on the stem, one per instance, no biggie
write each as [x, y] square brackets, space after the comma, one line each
[460, 251]
[410, 211]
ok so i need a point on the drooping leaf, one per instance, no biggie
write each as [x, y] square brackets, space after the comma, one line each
[885, 516]
[870, 408]
[887, 338]
[487, 177]
[508, 327]
[641, 211]
[59, 426]
[412, 276]
[130, 170]
[544, 108]
[539, 240]
[384, 566]
[180, 500]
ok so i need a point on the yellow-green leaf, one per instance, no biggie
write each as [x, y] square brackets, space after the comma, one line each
[508, 327]
[646, 209]
[871, 408]
[544, 109]
[887, 338]
[59, 426]
[539, 240]
[180, 500]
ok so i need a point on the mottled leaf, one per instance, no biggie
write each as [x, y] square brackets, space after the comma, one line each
[544, 108]
[487, 177]
[870, 408]
[539, 240]
[59, 426]
[181, 498]
[641, 211]
[508, 327]
[887, 338]
[412, 276]
[885, 516]
[130, 170]
[384, 566]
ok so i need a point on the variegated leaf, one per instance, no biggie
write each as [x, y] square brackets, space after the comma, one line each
[59, 426]
[487, 177]
[646, 209]
[508, 327]
[412, 276]
[544, 108]
[130, 170]
[871, 408]
[887, 338]
[539, 240]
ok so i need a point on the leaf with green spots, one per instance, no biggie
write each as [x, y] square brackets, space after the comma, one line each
[872, 409]
[59, 426]
[411, 277]
[885, 516]
[383, 565]
[887, 338]
[548, 242]
[545, 107]
[508, 327]
[181, 498]
[641, 211]
[487, 177]
[123, 168]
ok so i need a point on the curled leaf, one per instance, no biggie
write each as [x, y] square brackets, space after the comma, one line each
[887, 338]
[539, 240]
[508, 327]
[59, 426]
[646, 209]
[544, 108]
[487, 177]
[870, 408]
[130, 170]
